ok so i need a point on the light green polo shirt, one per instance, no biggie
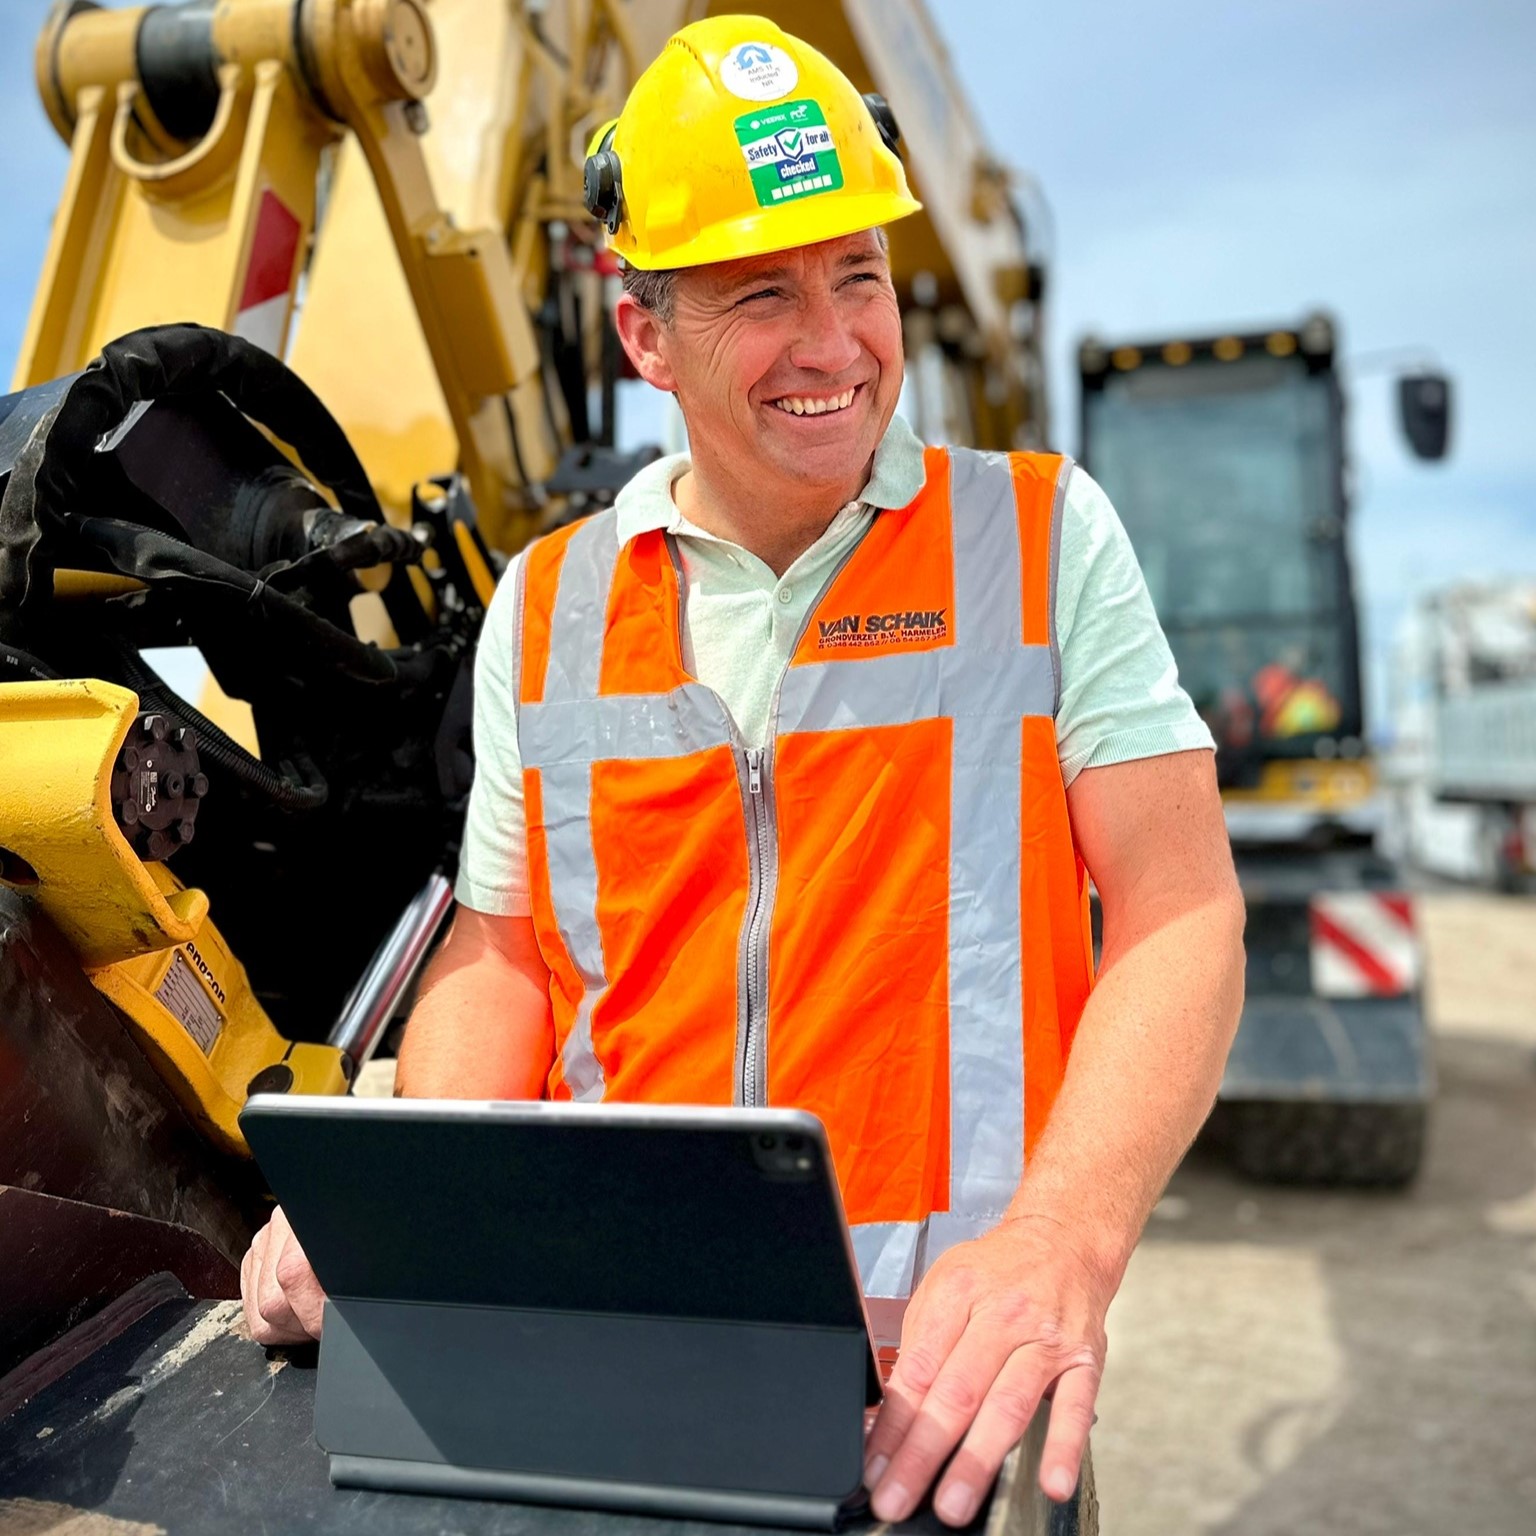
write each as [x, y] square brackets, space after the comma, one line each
[1120, 695]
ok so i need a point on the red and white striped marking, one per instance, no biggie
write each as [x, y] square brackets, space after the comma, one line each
[1363, 945]
[264, 300]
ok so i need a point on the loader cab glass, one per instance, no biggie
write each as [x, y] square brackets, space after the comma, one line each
[1225, 463]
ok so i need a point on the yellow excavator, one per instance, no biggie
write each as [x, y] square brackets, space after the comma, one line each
[321, 337]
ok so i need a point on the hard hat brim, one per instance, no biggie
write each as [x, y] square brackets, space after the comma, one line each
[774, 229]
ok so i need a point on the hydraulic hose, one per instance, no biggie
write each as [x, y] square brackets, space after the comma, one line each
[290, 794]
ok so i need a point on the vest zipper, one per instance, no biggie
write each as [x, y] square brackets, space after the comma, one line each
[763, 864]
[755, 771]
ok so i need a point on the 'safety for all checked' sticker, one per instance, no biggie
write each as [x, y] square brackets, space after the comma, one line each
[789, 152]
[758, 72]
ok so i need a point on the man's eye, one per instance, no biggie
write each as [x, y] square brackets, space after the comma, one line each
[865, 277]
[762, 293]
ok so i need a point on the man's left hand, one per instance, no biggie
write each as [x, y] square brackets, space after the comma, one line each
[996, 1325]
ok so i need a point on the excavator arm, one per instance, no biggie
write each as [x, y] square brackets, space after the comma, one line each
[409, 178]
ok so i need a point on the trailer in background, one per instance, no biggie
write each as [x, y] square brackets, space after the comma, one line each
[1464, 761]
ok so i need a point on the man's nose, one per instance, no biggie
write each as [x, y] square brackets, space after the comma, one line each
[825, 343]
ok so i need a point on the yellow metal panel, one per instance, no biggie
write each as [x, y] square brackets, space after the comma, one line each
[359, 344]
[58, 741]
[193, 1011]
[468, 288]
[144, 240]
[72, 585]
[232, 716]
[144, 939]
[1323, 786]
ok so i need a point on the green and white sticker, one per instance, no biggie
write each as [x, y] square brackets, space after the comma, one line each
[789, 152]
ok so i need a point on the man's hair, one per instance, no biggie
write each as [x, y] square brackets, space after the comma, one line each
[657, 291]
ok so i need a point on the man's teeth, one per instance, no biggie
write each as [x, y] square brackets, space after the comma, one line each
[804, 405]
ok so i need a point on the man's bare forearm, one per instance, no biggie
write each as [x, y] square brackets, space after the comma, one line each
[481, 1027]
[1143, 1073]
[999, 1322]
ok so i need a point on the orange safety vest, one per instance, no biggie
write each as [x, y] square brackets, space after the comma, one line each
[881, 917]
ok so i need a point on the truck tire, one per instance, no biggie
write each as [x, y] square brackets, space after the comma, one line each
[1291, 1142]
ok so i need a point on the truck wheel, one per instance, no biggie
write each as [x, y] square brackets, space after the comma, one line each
[1289, 1142]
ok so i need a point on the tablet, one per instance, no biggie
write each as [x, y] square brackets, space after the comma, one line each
[622, 1306]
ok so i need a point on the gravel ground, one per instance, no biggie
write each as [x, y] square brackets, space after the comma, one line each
[1293, 1361]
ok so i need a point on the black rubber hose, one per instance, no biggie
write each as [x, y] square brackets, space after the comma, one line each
[220, 748]
[169, 359]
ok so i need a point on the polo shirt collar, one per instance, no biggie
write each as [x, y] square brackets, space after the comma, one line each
[645, 504]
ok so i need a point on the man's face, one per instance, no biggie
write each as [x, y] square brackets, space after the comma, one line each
[788, 365]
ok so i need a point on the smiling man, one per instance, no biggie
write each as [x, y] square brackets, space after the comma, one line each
[792, 771]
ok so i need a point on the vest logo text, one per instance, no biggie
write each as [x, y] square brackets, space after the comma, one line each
[878, 628]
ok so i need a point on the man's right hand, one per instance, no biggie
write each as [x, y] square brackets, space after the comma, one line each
[282, 1299]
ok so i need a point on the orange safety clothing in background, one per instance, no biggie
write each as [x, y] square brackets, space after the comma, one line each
[882, 917]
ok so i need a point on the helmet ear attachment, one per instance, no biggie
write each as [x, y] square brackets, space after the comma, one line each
[602, 182]
[885, 120]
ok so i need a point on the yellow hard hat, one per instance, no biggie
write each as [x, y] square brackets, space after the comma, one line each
[740, 140]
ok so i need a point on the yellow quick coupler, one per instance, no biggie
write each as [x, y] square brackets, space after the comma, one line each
[145, 940]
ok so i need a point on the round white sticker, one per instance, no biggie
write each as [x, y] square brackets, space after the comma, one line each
[758, 72]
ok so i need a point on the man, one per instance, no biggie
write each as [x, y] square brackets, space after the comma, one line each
[791, 770]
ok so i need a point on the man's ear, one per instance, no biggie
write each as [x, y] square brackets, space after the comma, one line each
[641, 333]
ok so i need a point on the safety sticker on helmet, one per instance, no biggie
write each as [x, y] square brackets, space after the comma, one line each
[789, 152]
[758, 72]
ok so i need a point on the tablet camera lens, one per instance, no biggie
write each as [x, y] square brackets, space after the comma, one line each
[767, 1143]
[795, 1143]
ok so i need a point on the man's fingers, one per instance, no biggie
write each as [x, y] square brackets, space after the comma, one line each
[998, 1427]
[301, 1288]
[925, 1346]
[248, 1272]
[260, 1313]
[274, 1321]
[278, 1323]
[946, 1412]
[1077, 1389]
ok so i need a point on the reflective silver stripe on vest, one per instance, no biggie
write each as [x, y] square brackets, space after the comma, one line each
[887, 1256]
[986, 983]
[571, 679]
[630, 726]
[987, 681]
[1058, 509]
[905, 687]
[581, 612]
[894, 1255]
[567, 794]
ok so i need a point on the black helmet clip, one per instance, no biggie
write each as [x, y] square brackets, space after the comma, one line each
[885, 120]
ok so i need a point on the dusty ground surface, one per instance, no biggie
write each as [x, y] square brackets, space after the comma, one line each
[1286, 1361]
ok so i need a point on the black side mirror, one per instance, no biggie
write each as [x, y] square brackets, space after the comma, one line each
[1424, 405]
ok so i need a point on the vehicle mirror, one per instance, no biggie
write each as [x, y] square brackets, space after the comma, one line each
[1424, 405]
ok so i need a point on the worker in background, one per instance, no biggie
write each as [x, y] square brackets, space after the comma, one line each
[792, 771]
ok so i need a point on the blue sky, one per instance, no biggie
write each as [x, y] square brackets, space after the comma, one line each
[1220, 164]
[1231, 164]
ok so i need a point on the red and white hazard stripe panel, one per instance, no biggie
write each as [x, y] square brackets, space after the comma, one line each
[1363, 945]
[268, 276]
